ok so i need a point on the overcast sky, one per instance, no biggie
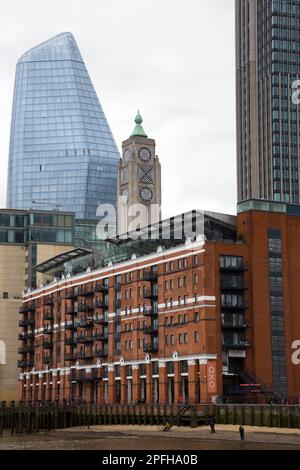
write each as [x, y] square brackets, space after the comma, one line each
[173, 59]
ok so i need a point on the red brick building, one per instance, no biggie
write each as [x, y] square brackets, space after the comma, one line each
[197, 319]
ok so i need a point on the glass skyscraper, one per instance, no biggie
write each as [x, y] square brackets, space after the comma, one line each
[62, 151]
[268, 121]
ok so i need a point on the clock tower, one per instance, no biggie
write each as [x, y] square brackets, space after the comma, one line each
[138, 182]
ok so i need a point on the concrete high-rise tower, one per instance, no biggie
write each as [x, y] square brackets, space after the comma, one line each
[62, 152]
[138, 182]
[268, 119]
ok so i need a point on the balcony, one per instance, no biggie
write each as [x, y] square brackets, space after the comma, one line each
[151, 276]
[85, 323]
[101, 288]
[238, 266]
[85, 355]
[101, 320]
[85, 292]
[232, 286]
[27, 322]
[47, 360]
[49, 302]
[236, 344]
[26, 363]
[103, 304]
[85, 308]
[151, 294]
[236, 325]
[231, 306]
[150, 312]
[101, 352]
[47, 345]
[85, 339]
[26, 349]
[25, 336]
[118, 285]
[118, 303]
[70, 312]
[150, 330]
[48, 330]
[70, 357]
[48, 316]
[70, 341]
[151, 348]
[26, 309]
[70, 326]
[71, 296]
[101, 337]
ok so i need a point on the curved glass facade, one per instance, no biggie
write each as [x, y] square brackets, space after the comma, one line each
[62, 151]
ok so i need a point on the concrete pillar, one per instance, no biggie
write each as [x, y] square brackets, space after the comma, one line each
[40, 378]
[162, 370]
[149, 391]
[193, 378]
[136, 391]
[123, 384]
[111, 384]
[177, 382]
[27, 395]
[54, 383]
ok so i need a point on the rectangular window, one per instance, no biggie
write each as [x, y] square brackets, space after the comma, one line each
[180, 338]
[5, 295]
[172, 339]
[166, 340]
[196, 337]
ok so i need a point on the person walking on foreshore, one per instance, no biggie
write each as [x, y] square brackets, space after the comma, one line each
[242, 433]
[212, 423]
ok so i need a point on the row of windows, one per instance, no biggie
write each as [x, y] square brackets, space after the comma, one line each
[169, 340]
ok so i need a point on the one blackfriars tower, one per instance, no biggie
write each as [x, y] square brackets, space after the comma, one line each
[268, 119]
[62, 152]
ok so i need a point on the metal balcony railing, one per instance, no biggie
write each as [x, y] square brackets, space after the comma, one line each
[101, 352]
[101, 288]
[85, 323]
[150, 312]
[101, 320]
[26, 349]
[70, 341]
[85, 308]
[101, 337]
[48, 316]
[71, 296]
[85, 339]
[47, 359]
[23, 364]
[27, 322]
[150, 294]
[71, 326]
[150, 348]
[26, 336]
[150, 330]
[85, 292]
[26, 309]
[101, 304]
[150, 276]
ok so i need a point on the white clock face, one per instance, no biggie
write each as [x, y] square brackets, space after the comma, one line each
[144, 154]
[127, 155]
[146, 194]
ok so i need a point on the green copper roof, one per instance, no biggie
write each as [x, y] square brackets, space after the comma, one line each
[138, 130]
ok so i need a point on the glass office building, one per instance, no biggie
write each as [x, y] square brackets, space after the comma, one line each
[268, 119]
[62, 152]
